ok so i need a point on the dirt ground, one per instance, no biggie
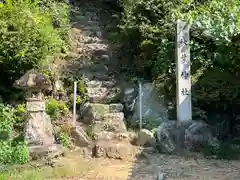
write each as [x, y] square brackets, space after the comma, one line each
[148, 167]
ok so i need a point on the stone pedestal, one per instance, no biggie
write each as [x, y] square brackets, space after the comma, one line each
[38, 129]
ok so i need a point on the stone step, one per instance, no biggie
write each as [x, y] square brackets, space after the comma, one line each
[110, 136]
[95, 111]
[111, 122]
[100, 76]
[117, 116]
[101, 67]
[114, 149]
[96, 83]
[103, 108]
[102, 94]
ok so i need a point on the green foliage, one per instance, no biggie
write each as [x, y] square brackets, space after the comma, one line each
[49, 73]
[30, 41]
[10, 151]
[20, 116]
[148, 37]
[9, 154]
[90, 131]
[64, 139]
[6, 122]
[69, 80]
[149, 123]
[56, 109]
[5, 152]
[20, 153]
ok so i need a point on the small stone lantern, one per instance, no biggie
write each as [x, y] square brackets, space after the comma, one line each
[38, 128]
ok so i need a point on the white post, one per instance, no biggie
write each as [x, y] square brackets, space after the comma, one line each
[140, 105]
[183, 76]
[74, 102]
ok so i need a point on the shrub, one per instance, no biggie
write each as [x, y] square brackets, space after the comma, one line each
[5, 152]
[20, 116]
[9, 154]
[64, 139]
[148, 37]
[28, 36]
[20, 153]
[6, 122]
[56, 109]
[11, 150]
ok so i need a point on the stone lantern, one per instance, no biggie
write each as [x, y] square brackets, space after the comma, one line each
[38, 132]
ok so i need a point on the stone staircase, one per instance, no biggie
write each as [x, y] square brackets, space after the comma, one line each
[95, 62]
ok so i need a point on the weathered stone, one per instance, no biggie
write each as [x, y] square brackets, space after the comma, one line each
[80, 138]
[116, 107]
[99, 34]
[38, 129]
[98, 84]
[105, 57]
[97, 49]
[58, 86]
[99, 68]
[46, 151]
[198, 135]
[102, 76]
[129, 98]
[33, 79]
[72, 55]
[107, 135]
[145, 138]
[153, 107]
[115, 150]
[132, 136]
[113, 122]
[94, 111]
[94, 84]
[35, 106]
[101, 95]
[176, 137]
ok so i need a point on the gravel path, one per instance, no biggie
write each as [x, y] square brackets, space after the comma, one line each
[148, 168]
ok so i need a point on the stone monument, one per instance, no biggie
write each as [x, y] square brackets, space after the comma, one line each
[38, 132]
[183, 76]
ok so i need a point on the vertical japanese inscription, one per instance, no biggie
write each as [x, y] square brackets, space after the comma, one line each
[183, 76]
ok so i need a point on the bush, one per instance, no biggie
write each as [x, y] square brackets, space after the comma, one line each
[147, 35]
[9, 154]
[29, 42]
[56, 109]
[5, 152]
[20, 154]
[11, 151]
[6, 122]
[64, 139]
[20, 116]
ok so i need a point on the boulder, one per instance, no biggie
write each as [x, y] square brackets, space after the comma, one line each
[46, 151]
[112, 122]
[145, 138]
[176, 137]
[154, 112]
[115, 150]
[80, 138]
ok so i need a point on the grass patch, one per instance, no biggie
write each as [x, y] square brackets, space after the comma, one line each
[69, 166]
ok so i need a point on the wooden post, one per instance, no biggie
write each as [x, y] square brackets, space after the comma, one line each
[183, 76]
[140, 105]
[74, 102]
